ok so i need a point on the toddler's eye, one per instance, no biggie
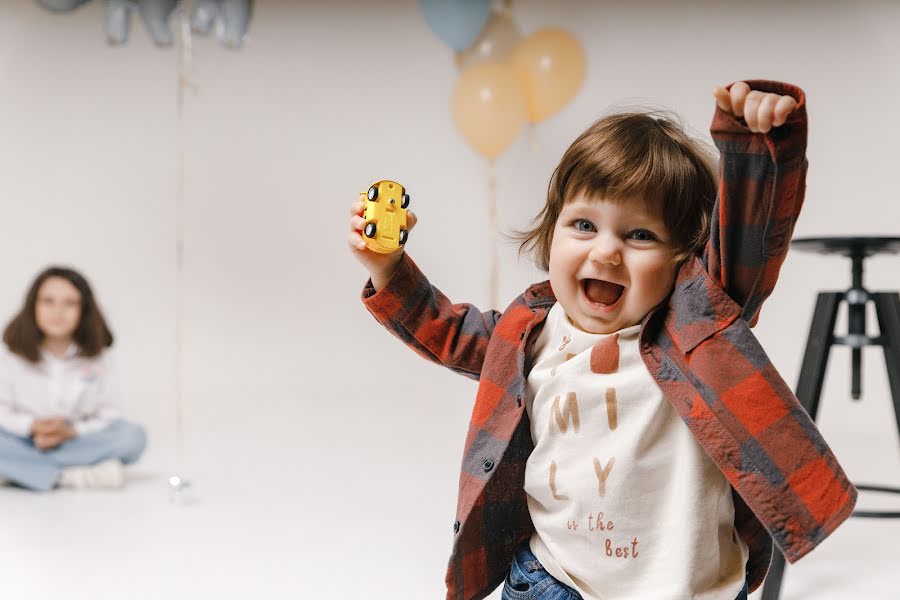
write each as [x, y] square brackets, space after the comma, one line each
[583, 225]
[644, 235]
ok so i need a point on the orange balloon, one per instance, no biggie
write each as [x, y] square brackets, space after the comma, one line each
[489, 107]
[550, 63]
[496, 43]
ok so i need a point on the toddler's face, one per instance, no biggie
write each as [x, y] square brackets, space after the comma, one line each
[597, 241]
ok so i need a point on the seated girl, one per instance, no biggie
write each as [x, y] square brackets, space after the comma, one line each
[59, 425]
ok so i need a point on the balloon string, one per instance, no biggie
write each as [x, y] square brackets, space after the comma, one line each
[495, 234]
[183, 66]
[531, 137]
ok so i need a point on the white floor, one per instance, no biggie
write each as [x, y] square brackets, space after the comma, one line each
[248, 541]
[281, 509]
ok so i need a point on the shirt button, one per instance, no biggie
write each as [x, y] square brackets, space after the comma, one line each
[456, 527]
[487, 465]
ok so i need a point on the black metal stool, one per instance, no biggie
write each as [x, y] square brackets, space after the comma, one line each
[821, 338]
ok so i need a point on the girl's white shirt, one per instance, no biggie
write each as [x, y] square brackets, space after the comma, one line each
[81, 390]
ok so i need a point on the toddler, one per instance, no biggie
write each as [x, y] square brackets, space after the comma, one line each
[630, 438]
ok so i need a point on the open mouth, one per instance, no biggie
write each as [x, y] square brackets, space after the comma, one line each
[604, 294]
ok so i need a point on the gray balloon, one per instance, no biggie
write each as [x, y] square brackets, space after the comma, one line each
[117, 14]
[204, 15]
[61, 5]
[155, 14]
[235, 15]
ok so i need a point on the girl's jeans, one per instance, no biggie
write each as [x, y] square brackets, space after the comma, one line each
[22, 463]
[529, 581]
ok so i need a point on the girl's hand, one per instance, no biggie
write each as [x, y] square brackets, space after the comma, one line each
[50, 433]
[380, 266]
[761, 110]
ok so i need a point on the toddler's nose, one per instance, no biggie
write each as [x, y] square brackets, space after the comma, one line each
[606, 251]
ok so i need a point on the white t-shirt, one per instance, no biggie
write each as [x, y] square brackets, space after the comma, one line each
[81, 390]
[625, 503]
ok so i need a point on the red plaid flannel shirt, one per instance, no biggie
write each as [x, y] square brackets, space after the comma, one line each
[697, 344]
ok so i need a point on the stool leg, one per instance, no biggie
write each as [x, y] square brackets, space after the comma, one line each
[887, 306]
[809, 388]
[772, 585]
[818, 347]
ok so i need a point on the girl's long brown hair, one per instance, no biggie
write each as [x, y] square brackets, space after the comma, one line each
[23, 337]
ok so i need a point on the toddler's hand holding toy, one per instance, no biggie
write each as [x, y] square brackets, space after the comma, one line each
[761, 110]
[381, 266]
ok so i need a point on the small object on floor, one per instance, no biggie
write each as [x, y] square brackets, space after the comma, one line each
[108, 474]
[178, 490]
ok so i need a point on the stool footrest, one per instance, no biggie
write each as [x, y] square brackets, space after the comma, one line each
[876, 514]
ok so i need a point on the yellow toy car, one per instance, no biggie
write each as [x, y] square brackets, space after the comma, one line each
[385, 229]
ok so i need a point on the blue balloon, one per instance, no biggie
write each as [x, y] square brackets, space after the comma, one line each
[204, 16]
[457, 22]
[155, 14]
[232, 18]
[117, 14]
[61, 5]
[235, 21]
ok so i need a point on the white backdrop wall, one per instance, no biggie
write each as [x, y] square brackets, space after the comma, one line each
[282, 361]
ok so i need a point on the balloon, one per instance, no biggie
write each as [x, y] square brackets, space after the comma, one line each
[232, 18]
[489, 107]
[456, 22]
[550, 63]
[235, 21]
[203, 15]
[118, 20]
[496, 43]
[61, 5]
[155, 14]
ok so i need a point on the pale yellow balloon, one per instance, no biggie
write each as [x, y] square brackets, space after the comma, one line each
[489, 107]
[496, 43]
[550, 62]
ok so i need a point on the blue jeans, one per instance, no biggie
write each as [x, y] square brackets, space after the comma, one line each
[25, 465]
[528, 580]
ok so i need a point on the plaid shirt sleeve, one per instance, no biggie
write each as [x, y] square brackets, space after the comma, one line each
[453, 335]
[761, 189]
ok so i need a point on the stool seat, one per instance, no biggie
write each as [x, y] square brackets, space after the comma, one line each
[850, 247]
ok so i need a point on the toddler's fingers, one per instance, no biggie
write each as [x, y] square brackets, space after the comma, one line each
[357, 223]
[739, 93]
[723, 98]
[783, 109]
[766, 112]
[751, 110]
[355, 241]
[358, 207]
[411, 219]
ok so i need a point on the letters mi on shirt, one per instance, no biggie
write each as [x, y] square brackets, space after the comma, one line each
[624, 501]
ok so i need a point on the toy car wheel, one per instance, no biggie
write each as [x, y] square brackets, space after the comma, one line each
[404, 202]
[370, 230]
[403, 235]
[373, 193]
